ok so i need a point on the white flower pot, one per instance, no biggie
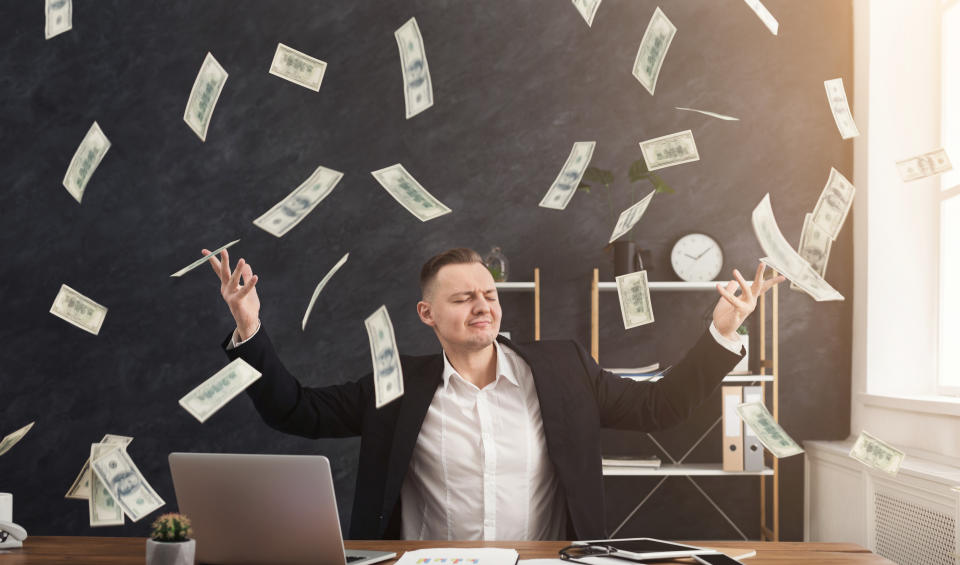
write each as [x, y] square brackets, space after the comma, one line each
[171, 553]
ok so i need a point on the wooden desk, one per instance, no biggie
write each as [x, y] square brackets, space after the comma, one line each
[50, 550]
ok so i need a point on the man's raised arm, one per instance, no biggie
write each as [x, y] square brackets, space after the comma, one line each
[285, 405]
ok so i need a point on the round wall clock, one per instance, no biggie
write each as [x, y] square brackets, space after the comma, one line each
[696, 257]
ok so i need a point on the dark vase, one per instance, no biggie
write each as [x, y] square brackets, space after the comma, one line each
[626, 258]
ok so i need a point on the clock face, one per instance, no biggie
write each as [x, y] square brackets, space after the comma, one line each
[697, 257]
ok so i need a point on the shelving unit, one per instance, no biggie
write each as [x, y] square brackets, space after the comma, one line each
[677, 467]
[533, 287]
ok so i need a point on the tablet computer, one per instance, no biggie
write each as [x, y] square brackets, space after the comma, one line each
[642, 548]
[715, 559]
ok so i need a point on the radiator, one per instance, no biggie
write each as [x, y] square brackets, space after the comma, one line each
[908, 525]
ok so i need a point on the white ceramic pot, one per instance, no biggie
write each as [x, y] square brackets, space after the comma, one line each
[171, 553]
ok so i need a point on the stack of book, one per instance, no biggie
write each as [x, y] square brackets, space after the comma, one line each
[645, 461]
[647, 373]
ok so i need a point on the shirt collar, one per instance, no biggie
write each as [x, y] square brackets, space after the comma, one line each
[504, 368]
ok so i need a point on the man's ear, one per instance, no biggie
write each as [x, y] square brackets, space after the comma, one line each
[426, 314]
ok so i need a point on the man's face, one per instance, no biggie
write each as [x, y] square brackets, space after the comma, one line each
[462, 306]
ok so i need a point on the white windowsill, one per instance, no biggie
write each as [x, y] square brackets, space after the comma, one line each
[927, 404]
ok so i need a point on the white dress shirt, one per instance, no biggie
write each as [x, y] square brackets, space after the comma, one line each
[480, 469]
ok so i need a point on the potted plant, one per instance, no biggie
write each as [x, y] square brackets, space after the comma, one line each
[627, 255]
[170, 542]
[743, 366]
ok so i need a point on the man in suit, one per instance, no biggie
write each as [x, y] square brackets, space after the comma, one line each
[492, 439]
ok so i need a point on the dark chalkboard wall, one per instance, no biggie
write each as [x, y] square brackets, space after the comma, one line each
[515, 83]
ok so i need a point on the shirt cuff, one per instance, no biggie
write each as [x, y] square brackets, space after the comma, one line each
[235, 340]
[735, 346]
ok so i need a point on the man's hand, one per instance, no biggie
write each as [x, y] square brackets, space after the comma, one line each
[733, 309]
[242, 299]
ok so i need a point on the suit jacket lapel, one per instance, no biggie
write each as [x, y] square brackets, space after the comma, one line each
[419, 388]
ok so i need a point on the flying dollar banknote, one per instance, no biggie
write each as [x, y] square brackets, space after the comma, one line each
[73, 307]
[815, 244]
[103, 509]
[118, 474]
[876, 453]
[204, 95]
[409, 193]
[298, 68]
[587, 9]
[923, 166]
[629, 217]
[85, 161]
[323, 282]
[12, 438]
[711, 114]
[783, 258]
[764, 14]
[214, 393]
[837, 97]
[566, 183]
[387, 371]
[635, 305]
[834, 203]
[280, 219]
[669, 150]
[203, 259]
[756, 416]
[80, 489]
[121, 477]
[59, 17]
[653, 49]
[417, 88]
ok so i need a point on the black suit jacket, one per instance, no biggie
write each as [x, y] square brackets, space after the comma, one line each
[577, 398]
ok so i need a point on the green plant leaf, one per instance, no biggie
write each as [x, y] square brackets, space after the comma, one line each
[659, 185]
[602, 176]
[638, 170]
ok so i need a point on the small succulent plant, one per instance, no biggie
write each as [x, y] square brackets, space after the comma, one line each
[171, 528]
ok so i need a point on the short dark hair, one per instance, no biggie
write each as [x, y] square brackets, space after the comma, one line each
[455, 256]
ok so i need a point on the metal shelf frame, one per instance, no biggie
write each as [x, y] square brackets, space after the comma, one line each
[677, 467]
[526, 286]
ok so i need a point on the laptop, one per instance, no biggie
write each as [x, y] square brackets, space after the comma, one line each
[263, 509]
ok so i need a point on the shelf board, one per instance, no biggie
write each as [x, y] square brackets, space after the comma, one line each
[684, 469]
[726, 379]
[668, 285]
[516, 286]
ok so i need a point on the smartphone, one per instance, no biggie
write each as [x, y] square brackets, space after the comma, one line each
[716, 559]
[646, 548]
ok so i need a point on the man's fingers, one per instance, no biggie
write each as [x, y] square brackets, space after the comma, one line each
[747, 292]
[234, 281]
[771, 282]
[727, 293]
[757, 280]
[731, 287]
[224, 266]
[248, 286]
[212, 259]
[247, 273]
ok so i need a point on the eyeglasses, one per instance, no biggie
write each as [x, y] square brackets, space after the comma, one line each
[574, 552]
